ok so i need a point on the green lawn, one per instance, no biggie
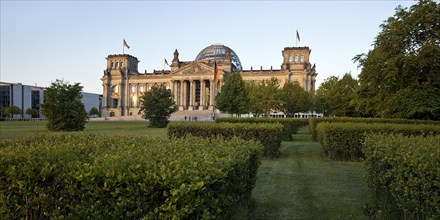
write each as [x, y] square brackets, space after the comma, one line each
[16, 129]
[301, 184]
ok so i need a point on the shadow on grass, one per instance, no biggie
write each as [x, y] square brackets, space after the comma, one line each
[303, 184]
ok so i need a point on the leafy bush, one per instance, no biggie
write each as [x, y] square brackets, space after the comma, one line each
[79, 176]
[313, 122]
[344, 140]
[267, 134]
[290, 125]
[63, 108]
[403, 176]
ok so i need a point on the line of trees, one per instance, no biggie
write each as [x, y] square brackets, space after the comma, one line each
[239, 97]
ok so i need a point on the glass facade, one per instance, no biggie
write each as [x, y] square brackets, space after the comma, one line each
[5, 95]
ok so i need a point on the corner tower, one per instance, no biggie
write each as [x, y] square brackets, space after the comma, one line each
[115, 83]
[296, 61]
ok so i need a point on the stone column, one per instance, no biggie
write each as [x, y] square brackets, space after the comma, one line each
[202, 95]
[211, 91]
[191, 96]
[105, 94]
[185, 98]
[181, 96]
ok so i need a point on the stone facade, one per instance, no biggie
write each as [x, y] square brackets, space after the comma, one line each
[192, 82]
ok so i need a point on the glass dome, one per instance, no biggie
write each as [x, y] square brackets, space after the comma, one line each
[218, 52]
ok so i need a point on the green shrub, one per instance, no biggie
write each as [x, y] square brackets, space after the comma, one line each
[290, 125]
[79, 176]
[344, 140]
[403, 176]
[313, 122]
[268, 134]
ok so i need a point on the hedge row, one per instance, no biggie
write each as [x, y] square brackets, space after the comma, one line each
[290, 125]
[403, 176]
[344, 140]
[85, 176]
[313, 122]
[268, 134]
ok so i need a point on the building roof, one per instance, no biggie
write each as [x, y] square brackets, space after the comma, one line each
[218, 52]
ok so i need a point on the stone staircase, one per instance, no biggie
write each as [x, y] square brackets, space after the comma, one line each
[194, 115]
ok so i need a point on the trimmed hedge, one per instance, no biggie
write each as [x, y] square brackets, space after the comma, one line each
[290, 125]
[313, 122]
[403, 176]
[85, 176]
[268, 134]
[344, 140]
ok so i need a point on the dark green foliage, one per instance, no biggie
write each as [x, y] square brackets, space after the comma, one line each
[233, 97]
[335, 97]
[404, 63]
[63, 108]
[290, 125]
[86, 176]
[32, 112]
[264, 96]
[343, 141]
[157, 105]
[269, 135]
[12, 110]
[403, 176]
[313, 122]
[93, 111]
[294, 99]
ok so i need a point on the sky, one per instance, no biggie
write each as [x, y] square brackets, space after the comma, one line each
[42, 41]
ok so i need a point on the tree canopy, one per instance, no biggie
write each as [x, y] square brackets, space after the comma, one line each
[403, 68]
[157, 105]
[233, 97]
[32, 112]
[294, 99]
[13, 110]
[336, 97]
[63, 108]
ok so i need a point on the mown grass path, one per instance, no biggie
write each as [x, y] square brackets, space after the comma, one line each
[303, 184]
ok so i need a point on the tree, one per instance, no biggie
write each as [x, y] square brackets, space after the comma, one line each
[63, 108]
[32, 112]
[294, 99]
[93, 111]
[270, 95]
[405, 59]
[157, 105]
[12, 110]
[255, 96]
[2, 111]
[337, 96]
[233, 97]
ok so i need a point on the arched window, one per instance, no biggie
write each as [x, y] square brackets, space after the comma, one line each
[112, 64]
[290, 58]
[296, 58]
[301, 58]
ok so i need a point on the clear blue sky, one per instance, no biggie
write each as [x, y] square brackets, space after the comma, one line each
[46, 40]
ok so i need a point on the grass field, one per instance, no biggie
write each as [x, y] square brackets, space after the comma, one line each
[16, 129]
[301, 184]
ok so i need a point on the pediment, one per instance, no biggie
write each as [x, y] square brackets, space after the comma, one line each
[195, 68]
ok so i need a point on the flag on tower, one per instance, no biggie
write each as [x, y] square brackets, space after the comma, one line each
[166, 62]
[126, 45]
[297, 36]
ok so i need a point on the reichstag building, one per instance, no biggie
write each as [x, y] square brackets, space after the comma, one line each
[192, 82]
